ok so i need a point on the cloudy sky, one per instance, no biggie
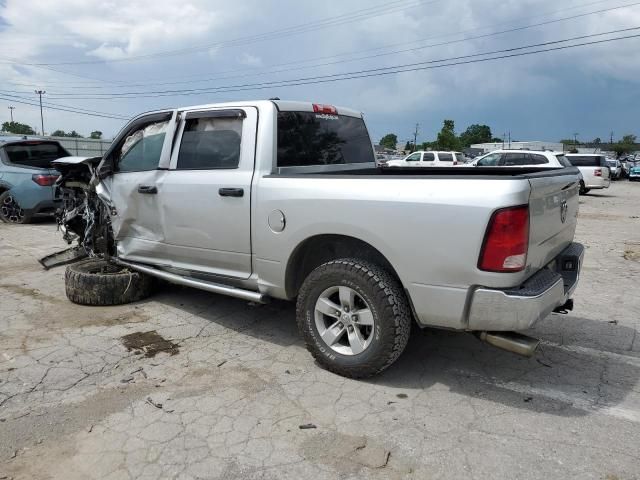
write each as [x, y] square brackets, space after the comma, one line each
[118, 58]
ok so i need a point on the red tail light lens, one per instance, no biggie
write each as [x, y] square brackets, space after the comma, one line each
[44, 180]
[319, 108]
[506, 241]
[597, 172]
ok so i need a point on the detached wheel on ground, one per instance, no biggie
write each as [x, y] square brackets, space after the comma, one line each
[98, 282]
[10, 209]
[354, 317]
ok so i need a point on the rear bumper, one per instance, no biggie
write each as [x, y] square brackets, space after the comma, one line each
[521, 307]
[595, 183]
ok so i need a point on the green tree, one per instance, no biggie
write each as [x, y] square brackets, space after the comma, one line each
[390, 140]
[447, 139]
[408, 146]
[74, 134]
[496, 140]
[97, 134]
[626, 145]
[597, 141]
[475, 134]
[59, 133]
[18, 128]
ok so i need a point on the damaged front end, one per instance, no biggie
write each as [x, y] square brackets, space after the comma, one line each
[83, 218]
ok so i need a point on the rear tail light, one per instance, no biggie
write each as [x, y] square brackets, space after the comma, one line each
[319, 108]
[597, 172]
[506, 241]
[44, 180]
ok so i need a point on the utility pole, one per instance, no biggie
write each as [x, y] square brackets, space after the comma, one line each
[611, 138]
[509, 139]
[415, 137]
[575, 140]
[11, 109]
[40, 93]
[504, 136]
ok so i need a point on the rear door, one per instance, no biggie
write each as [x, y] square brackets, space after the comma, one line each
[206, 195]
[553, 210]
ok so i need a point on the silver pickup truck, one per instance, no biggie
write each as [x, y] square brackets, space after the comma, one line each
[283, 199]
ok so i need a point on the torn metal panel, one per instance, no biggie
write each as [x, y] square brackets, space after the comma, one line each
[64, 257]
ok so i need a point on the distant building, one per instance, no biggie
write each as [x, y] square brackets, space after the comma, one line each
[534, 145]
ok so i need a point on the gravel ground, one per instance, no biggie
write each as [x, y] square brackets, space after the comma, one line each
[228, 386]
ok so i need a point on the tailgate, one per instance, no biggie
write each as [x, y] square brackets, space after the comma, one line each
[553, 207]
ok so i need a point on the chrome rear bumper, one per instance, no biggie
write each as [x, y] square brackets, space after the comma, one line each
[521, 307]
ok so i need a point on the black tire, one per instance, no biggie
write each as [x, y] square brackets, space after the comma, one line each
[583, 189]
[10, 210]
[98, 282]
[384, 297]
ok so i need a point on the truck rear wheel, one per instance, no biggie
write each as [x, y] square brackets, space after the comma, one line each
[354, 317]
[98, 282]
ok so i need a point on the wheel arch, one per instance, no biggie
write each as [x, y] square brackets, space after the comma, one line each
[318, 249]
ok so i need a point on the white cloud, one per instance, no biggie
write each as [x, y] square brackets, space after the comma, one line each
[250, 60]
[81, 30]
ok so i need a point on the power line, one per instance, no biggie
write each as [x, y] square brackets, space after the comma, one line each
[263, 72]
[63, 109]
[357, 15]
[353, 74]
[395, 52]
[49, 104]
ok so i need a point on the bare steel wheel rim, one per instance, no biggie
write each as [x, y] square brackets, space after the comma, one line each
[11, 211]
[344, 320]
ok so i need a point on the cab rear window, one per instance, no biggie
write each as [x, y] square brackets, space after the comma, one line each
[308, 139]
[35, 154]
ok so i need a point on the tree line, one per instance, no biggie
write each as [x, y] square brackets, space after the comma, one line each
[447, 138]
[24, 129]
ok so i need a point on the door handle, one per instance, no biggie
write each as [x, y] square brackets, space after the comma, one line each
[148, 189]
[231, 192]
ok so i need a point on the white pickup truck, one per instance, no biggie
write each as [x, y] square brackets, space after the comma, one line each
[282, 199]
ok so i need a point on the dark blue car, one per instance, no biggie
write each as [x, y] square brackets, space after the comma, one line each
[27, 179]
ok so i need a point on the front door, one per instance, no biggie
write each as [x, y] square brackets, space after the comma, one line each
[205, 198]
[139, 159]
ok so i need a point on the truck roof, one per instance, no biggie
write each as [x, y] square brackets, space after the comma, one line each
[281, 105]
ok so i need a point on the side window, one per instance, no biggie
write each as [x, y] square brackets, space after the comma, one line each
[516, 159]
[210, 143]
[414, 157]
[460, 158]
[537, 159]
[141, 149]
[428, 157]
[445, 157]
[563, 161]
[490, 160]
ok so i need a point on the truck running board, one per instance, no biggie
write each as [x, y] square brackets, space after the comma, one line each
[511, 341]
[249, 295]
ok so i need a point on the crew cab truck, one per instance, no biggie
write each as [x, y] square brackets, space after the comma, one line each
[280, 199]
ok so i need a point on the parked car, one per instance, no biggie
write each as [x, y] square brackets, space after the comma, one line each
[293, 207]
[26, 178]
[615, 167]
[423, 158]
[521, 158]
[634, 174]
[594, 169]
